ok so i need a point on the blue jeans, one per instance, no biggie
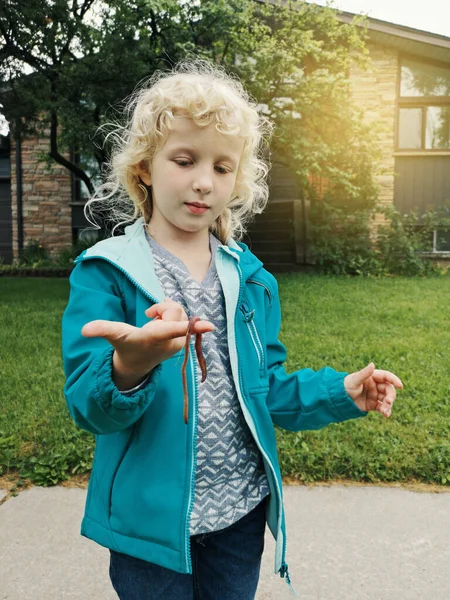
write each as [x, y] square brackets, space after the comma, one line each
[225, 566]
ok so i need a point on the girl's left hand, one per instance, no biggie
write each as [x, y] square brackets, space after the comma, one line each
[372, 389]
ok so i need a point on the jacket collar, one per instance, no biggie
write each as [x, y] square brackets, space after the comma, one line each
[131, 253]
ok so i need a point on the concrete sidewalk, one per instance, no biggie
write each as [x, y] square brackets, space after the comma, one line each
[344, 543]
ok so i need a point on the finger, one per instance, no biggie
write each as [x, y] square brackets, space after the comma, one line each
[169, 330]
[109, 330]
[386, 411]
[386, 399]
[386, 391]
[383, 387]
[157, 310]
[359, 377]
[370, 390]
[387, 377]
[174, 313]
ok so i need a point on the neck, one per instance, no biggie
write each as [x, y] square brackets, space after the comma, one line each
[184, 242]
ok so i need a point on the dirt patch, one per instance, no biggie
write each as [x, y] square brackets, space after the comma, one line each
[13, 485]
[77, 481]
[412, 486]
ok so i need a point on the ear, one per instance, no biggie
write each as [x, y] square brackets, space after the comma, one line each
[143, 173]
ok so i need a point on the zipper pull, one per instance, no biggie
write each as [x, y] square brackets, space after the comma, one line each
[248, 315]
[285, 573]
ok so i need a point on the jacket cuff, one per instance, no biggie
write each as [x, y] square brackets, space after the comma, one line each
[108, 392]
[137, 387]
[344, 405]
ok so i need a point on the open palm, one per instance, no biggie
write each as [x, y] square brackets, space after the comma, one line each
[140, 349]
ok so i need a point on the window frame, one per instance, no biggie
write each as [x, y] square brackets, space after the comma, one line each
[77, 200]
[422, 102]
[435, 234]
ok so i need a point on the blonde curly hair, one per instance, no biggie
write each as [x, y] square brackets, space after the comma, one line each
[206, 94]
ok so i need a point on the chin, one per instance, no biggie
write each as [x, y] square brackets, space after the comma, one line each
[193, 228]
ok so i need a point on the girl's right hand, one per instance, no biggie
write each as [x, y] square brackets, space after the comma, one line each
[139, 349]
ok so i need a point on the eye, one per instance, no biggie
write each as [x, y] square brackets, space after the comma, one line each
[183, 163]
[222, 170]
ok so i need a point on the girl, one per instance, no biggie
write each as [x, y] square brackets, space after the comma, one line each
[183, 507]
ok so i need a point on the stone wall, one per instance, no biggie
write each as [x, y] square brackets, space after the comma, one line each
[46, 197]
[375, 91]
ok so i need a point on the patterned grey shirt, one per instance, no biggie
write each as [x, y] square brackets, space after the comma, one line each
[230, 477]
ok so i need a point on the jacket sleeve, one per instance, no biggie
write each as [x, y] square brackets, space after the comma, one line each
[305, 399]
[94, 401]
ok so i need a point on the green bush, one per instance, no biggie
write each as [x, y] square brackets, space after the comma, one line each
[37, 256]
[406, 238]
[34, 254]
[346, 243]
[341, 242]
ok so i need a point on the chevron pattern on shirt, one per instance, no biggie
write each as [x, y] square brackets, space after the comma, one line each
[230, 477]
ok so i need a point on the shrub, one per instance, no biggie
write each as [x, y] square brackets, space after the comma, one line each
[34, 254]
[345, 242]
[341, 242]
[402, 242]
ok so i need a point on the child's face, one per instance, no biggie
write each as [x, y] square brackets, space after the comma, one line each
[195, 166]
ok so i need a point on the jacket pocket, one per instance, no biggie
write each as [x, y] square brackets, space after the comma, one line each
[119, 464]
[249, 321]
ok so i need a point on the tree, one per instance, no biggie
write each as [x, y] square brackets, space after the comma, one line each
[294, 57]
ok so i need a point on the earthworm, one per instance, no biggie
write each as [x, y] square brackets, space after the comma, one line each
[200, 357]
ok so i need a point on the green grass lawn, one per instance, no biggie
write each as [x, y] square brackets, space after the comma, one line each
[401, 324]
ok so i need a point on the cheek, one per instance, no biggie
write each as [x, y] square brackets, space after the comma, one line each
[168, 180]
[227, 186]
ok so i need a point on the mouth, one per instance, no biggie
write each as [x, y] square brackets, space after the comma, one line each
[198, 204]
[197, 207]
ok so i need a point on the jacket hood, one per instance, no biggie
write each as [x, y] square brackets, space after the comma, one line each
[131, 253]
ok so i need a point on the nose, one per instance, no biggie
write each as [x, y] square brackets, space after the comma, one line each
[203, 181]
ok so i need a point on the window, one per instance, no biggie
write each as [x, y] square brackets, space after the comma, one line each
[5, 160]
[437, 130]
[423, 107]
[421, 79]
[410, 128]
[441, 240]
[80, 195]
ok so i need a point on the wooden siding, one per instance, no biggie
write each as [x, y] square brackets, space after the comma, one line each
[5, 221]
[272, 235]
[6, 253]
[421, 182]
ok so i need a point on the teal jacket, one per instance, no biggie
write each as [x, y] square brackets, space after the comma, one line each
[141, 490]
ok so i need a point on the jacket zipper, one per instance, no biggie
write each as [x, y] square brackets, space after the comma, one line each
[195, 411]
[284, 567]
[248, 318]
[194, 460]
[269, 293]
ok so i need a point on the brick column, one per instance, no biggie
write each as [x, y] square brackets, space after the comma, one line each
[47, 214]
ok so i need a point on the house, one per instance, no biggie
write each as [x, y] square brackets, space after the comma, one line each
[407, 89]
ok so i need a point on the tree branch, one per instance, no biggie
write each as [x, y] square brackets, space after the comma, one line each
[85, 7]
[11, 50]
[153, 25]
[60, 159]
[224, 53]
